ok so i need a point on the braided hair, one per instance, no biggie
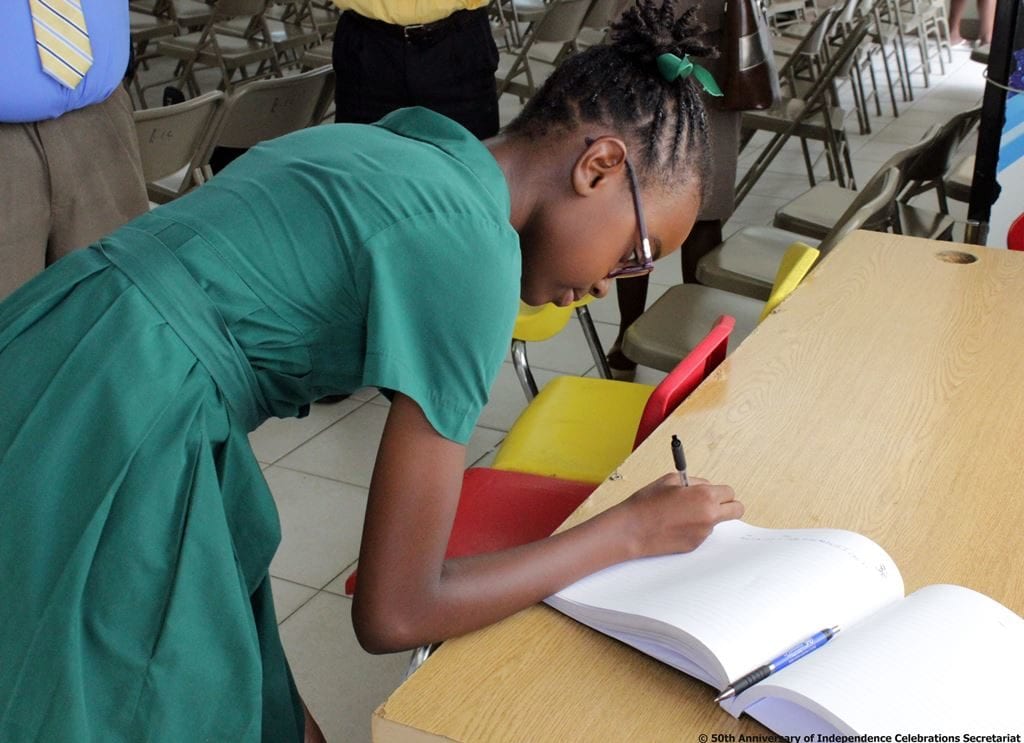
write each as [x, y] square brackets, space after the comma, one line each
[618, 85]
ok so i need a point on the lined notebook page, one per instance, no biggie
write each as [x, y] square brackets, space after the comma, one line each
[944, 660]
[746, 594]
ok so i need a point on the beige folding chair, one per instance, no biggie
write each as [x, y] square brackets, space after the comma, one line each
[959, 178]
[747, 261]
[144, 28]
[926, 20]
[812, 116]
[595, 25]
[559, 25]
[921, 167]
[291, 26]
[317, 56]
[216, 47]
[266, 109]
[174, 144]
[930, 171]
[189, 15]
[674, 325]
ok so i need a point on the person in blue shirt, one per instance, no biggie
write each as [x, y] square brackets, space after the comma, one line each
[71, 170]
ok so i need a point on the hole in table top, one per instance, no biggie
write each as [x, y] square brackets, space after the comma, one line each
[956, 256]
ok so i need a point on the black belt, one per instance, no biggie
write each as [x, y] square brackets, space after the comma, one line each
[419, 33]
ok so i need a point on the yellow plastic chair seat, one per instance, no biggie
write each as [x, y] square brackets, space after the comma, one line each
[604, 413]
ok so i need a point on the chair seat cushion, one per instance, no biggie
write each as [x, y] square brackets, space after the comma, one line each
[815, 212]
[672, 326]
[747, 261]
[918, 222]
[577, 428]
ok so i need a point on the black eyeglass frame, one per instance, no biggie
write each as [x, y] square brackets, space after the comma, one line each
[643, 256]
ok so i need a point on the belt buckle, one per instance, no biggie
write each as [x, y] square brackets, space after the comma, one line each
[406, 35]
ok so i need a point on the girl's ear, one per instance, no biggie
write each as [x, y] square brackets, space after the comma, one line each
[601, 163]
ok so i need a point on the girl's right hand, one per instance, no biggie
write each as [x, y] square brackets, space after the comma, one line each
[666, 517]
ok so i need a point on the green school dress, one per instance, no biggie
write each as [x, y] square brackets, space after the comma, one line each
[136, 529]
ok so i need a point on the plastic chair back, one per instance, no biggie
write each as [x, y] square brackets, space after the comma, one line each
[501, 509]
[1015, 237]
[266, 109]
[535, 324]
[601, 14]
[795, 264]
[685, 377]
[875, 199]
[937, 157]
[562, 22]
[172, 138]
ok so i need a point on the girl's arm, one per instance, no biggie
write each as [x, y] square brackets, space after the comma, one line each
[409, 595]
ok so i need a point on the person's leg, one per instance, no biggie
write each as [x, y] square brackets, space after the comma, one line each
[986, 19]
[95, 173]
[956, 12]
[24, 206]
[454, 75]
[631, 294]
[705, 237]
[313, 732]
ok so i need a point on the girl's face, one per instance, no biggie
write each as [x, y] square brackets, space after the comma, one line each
[572, 246]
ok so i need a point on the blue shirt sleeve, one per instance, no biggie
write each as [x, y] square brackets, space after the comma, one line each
[29, 94]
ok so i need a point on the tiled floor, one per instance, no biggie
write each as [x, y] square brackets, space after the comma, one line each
[319, 467]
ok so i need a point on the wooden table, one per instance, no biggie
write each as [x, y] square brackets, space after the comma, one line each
[885, 396]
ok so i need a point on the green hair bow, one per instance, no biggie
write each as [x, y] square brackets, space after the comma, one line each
[672, 68]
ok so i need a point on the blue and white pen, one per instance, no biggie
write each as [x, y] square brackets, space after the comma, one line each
[792, 655]
[680, 460]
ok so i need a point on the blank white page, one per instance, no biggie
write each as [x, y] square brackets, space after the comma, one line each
[944, 660]
[746, 594]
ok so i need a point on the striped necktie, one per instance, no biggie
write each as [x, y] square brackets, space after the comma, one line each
[62, 39]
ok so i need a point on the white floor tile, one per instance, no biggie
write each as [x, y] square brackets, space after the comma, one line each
[321, 525]
[899, 133]
[289, 596]
[341, 684]
[759, 209]
[565, 353]
[346, 451]
[482, 442]
[278, 436]
[337, 586]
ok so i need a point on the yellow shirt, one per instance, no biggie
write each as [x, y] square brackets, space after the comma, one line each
[408, 12]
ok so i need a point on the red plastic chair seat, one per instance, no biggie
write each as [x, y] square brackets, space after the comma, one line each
[499, 509]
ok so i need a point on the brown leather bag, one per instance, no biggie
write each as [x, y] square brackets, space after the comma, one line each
[752, 82]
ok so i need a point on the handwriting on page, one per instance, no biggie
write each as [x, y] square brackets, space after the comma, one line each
[880, 568]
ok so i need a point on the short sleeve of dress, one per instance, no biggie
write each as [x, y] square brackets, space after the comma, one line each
[443, 293]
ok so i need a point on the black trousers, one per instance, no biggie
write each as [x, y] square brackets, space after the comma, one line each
[448, 68]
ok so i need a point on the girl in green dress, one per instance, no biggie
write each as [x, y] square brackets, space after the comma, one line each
[136, 529]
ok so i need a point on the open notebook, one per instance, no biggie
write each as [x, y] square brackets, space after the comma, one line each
[943, 660]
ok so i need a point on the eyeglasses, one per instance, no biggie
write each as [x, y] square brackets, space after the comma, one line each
[642, 261]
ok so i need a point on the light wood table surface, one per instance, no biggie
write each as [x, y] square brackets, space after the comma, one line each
[885, 396]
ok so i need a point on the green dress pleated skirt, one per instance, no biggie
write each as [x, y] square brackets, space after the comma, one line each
[136, 528]
[138, 604]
